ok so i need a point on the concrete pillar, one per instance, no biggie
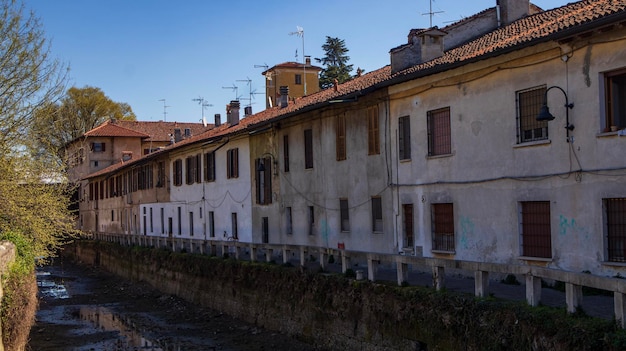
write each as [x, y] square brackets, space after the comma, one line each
[302, 258]
[345, 261]
[372, 267]
[439, 278]
[403, 272]
[285, 255]
[252, 253]
[619, 303]
[269, 253]
[573, 296]
[533, 290]
[481, 283]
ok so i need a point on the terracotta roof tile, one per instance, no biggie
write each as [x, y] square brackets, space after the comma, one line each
[108, 129]
[160, 131]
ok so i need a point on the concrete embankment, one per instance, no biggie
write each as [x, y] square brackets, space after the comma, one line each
[334, 312]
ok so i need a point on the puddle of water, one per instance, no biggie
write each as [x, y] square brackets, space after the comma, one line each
[48, 287]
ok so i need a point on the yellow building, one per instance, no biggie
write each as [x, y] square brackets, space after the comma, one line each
[290, 74]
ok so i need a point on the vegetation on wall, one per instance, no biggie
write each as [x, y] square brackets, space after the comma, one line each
[335, 309]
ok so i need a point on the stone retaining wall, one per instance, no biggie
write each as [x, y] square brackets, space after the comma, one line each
[7, 256]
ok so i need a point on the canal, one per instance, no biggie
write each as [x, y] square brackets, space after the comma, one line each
[82, 308]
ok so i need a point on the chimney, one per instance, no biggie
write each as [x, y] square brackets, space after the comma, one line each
[232, 114]
[512, 10]
[284, 96]
[218, 120]
[247, 111]
[307, 60]
[187, 132]
[335, 85]
[177, 135]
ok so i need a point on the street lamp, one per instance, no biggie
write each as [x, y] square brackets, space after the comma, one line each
[545, 115]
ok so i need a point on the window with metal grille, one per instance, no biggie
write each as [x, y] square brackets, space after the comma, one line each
[286, 153]
[209, 167]
[308, 148]
[340, 144]
[404, 138]
[232, 163]
[344, 215]
[535, 229]
[263, 167]
[439, 138]
[377, 214]
[615, 228]
[178, 172]
[443, 227]
[615, 99]
[529, 104]
[373, 131]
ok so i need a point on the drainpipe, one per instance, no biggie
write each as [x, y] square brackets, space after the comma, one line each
[498, 16]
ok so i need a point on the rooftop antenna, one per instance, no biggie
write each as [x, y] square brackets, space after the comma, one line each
[267, 75]
[164, 110]
[300, 32]
[235, 89]
[251, 92]
[431, 13]
[203, 104]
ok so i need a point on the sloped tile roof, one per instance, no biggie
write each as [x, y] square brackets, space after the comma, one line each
[291, 65]
[160, 131]
[108, 129]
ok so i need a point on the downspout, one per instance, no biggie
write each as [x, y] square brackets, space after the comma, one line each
[498, 15]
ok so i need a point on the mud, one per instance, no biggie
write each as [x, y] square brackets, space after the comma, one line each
[83, 308]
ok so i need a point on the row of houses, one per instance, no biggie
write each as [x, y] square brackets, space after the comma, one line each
[438, 154]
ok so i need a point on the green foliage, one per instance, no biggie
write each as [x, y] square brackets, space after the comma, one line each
[25, 255]
[336, 62]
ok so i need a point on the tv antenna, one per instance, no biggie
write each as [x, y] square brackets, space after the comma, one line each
[431, 13]
[300, 32]
[164, 110]
[203, 104]
[251, 92]
[235, 89]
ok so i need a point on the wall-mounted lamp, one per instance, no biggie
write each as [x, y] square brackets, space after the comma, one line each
[545, 115]
[261, 166]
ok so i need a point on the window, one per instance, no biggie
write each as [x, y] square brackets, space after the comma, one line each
[377, 214]
[288, 220]
[344, 215]
[160, 174]
[308, 148]
[263, 168]
[443, 227]
[439, 142]
[98, 147]
[180, 219]
[209, 167]
[615, 99]
[178, 172]
[529, 104]
[373, 133]
[298, 79]
[311, 219]
[191, 223]
[286, 152]
[191, 169]
[151, 221]
[535, 229]
[233, 218]
[615, 228]
[404, 138]
[211, 224]
[162, 220]
[232, 163]
[340, 144]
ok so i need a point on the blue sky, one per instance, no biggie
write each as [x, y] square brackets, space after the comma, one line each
[141, 51]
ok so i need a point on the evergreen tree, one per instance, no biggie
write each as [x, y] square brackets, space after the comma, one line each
[336, 62]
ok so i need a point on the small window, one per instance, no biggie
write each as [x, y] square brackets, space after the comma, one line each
[311, 220]
[263, 169]
[232, 163]
[151, 221]
[180, 221]
[288, 220]
[443, 227]
[536, 239]
[529, 104]
[373, 131]
[298, 79]
[308, 148]
[190, 169]
[615, 100]
[98, 147]
[377, 214]
[209, 167]
[178, 172]
[191, 223]
[286, 152]
[233, 218]
[439, 137]
[404, 138]
[211, 224]
[344, 214]
[615, 228]
[340, 143]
